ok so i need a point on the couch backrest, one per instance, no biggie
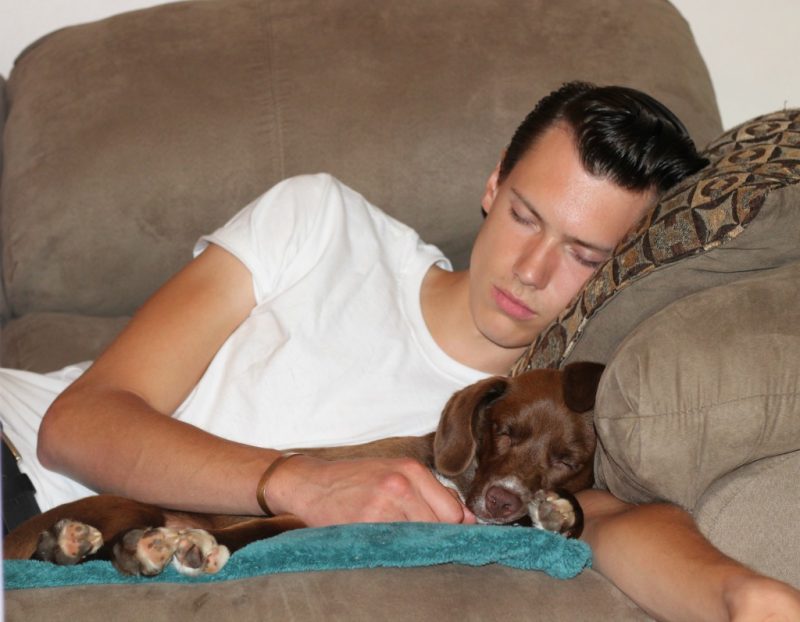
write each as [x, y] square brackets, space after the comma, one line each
[129, 137]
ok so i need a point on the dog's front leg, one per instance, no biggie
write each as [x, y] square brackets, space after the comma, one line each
[240, 534]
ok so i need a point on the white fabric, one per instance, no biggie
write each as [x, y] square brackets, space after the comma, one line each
[24, 397]
[336, 350]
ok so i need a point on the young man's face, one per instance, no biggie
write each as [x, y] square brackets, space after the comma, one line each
[549, 225]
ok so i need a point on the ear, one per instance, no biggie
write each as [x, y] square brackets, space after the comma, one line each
[454, 443]
[490, 193]
[580, 381]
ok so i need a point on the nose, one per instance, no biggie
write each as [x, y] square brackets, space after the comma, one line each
[536, 263]
[502, 503]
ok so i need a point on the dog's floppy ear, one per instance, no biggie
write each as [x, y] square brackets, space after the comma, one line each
[580, 382]
[454, 444]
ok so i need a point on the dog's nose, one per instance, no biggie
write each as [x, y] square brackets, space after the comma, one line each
[502, 503]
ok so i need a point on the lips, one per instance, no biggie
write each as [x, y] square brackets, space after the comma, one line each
[511, 305]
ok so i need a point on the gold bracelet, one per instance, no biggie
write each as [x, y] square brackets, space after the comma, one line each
[262, 483]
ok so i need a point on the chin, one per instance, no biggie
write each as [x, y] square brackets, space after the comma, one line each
[510, 337]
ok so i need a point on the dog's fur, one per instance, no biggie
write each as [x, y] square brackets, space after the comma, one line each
[505, 444]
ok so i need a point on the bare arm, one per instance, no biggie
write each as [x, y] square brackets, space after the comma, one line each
[112, 431]
[657, 556]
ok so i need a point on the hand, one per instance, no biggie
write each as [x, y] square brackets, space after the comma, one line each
[324, 492]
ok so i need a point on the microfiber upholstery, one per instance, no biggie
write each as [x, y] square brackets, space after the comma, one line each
[738, 216]
[28, 340]
[703, 387]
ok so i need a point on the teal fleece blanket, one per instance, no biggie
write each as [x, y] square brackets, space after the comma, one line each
[374, 545]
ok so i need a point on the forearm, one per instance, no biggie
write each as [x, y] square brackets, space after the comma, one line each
[114, 442]
[658, 557]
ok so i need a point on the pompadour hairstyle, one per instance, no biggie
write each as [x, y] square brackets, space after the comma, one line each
[622, 134]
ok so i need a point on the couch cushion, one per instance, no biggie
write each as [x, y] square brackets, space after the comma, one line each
[447, 593]
[44, 342]
[738, 216]
[129, 137]
[706, 385]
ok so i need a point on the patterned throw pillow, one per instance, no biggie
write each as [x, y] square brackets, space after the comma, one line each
[739, 215]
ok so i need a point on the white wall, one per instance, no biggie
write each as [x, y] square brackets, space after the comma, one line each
[24, 21]
[750, 46]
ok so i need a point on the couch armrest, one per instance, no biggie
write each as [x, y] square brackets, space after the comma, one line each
[701, 389]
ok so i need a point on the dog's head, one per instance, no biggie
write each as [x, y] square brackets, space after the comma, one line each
[502, 439]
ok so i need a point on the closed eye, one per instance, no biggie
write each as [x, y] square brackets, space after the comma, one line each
[502, 438]
[523, 218]
[566, 462]
[592, 261]
[501, 430]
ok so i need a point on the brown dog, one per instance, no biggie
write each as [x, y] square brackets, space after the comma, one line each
[505, 444]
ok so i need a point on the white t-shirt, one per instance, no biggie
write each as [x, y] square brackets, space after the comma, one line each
[336, 350]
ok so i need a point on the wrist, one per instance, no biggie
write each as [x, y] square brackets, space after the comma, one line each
[275, 491]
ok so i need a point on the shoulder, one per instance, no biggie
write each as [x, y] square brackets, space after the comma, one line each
[312, 198]
[302, 193]
[317, 188]
[309, 185]
[321, 201]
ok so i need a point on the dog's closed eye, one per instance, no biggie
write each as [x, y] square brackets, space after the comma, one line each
[504, 437]
[565, 461]
[501, 429]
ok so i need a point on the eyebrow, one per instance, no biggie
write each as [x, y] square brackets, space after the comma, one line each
[572, 239]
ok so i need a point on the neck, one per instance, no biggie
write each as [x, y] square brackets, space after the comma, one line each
[445, 307]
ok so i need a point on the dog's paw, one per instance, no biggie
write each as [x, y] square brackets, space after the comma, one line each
[145, 551]
[556, 511]
[68, 542]
[198, 553]
[148, 551]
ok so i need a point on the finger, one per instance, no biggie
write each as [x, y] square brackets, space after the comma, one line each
[469, 517]
[409, 507]
[416, 508]
[420, 496]
[400, 496]
[420, 513]
[444, 502]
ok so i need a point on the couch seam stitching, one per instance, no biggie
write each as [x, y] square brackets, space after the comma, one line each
[700, 408]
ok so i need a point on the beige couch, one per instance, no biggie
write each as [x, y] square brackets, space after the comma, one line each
[126, 139]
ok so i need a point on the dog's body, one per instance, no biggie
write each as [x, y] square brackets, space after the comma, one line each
[505, 444]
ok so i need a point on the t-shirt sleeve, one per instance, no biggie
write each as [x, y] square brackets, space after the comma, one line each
[277, 236]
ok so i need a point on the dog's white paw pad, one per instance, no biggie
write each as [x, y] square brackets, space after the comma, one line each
[198, 553]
